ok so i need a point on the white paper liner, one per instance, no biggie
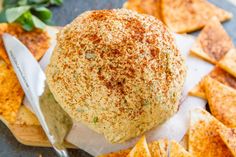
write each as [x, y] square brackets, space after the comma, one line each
[174, 128]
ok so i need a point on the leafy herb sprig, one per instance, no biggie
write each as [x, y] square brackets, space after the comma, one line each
[29, 13]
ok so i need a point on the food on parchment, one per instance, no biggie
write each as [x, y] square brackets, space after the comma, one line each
[228, 135]
[204, 140]
[222, 101]
[217, 74]
[228, 62]
[213, 42]
[140, 149]
[117, 71]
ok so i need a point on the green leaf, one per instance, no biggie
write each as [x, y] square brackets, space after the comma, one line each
[22, 2]
[38, 1]
[26, 21]
[13, 13]
[56, 2]
[38, 23]
[43, 13]
[9, 3]
[3, 16]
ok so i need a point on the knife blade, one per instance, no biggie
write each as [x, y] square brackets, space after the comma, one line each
[32, 80]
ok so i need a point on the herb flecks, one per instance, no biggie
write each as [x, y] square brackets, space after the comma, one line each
[95, 120]
[145, 103]
[89, 55]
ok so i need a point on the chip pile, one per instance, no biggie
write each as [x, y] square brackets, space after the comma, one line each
[11, 93]
[160, 148]
[181, 16]
[207, 137]
[219, 86]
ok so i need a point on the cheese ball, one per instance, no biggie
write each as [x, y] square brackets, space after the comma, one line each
[117, 71]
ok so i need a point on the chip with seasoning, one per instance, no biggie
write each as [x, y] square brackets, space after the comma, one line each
[183, 16]
[222, 101]
[140, 149]
[204, 140]
[121, 153]
[151, 7]
[157, 149]
[176, 150]
[228, 135]
[213, 42]
[228, 62]
[217, 74]
[26, 117]
[11, 94]
[37, 41]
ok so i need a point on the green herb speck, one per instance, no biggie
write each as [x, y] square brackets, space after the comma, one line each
[95, 119]
[146, 103]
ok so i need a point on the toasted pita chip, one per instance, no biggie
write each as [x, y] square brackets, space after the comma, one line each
[151, 7]
[26, 117]
[222, 101]
[228, 135]
[176, 150]
[198, 90]
[218, 74]
[37, 41]
[121, 153]
[140, 149]
[183, 16]
[213, 42]
[228, 62]
[204, 139]
[11, 94]
[154, 148]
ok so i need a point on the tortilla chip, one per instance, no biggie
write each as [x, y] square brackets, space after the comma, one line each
[11, 94]
[198, 91]
[217, 74]
[154, 149]
[228, 62]
[150, 7]
[184, 141]
[121, 153]
[140, 149]
[176, 150]
[204, 139]
[26, 117]
[222, 101]
[213, 42]
[183, 16]
[164, 147]
[228, 135]
[37, 41]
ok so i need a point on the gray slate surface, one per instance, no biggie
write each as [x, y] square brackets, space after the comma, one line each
[9, 147]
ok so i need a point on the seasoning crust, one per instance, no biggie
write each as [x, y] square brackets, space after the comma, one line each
[117, 71]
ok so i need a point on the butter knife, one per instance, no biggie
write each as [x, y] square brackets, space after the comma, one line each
[32, 80]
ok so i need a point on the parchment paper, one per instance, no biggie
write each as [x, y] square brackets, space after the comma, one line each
[174, 128]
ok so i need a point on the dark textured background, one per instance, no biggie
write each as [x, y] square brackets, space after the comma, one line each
[9, 147]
